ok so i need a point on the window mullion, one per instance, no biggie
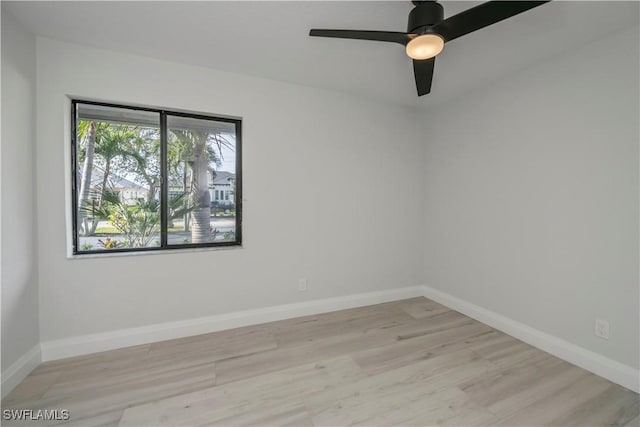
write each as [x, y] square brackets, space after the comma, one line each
[164, 184]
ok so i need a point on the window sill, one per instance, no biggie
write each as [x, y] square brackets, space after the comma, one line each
[159, 252]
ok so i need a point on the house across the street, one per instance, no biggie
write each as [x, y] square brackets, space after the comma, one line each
[222, 189]
[128, 191]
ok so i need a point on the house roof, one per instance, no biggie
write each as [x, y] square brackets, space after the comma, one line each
[115, 182]
[222, 177]
[118, 182]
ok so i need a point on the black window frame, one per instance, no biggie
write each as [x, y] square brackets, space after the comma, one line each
[164, 188]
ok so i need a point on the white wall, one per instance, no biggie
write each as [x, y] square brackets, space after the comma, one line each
[531, 196]
[19, 258]
[309, 142]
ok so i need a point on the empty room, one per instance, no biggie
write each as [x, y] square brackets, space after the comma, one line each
[320, 213]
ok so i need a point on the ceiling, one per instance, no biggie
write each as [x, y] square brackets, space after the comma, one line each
[270, 39]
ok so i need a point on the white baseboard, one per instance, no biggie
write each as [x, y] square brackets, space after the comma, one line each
[19, 370]
[86, 344]
[617, 372]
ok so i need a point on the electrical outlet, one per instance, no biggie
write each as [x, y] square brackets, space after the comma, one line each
[602, 329]
[302, 285]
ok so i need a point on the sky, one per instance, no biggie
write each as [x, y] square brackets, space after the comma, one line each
[229, 157]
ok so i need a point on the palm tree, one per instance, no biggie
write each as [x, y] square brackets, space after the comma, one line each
[87, 131]
[178, 155]
[138, 223]
[112, 144]
[144, 152]
[198, 148]
[101, 142]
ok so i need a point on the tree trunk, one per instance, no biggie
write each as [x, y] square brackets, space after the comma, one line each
[105, 179]
[85, 182]
[152, 182]
[201, 215]
[187, 215]
[151, 193]
[91, 226]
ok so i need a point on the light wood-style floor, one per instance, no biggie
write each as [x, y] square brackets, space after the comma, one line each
[411, 362]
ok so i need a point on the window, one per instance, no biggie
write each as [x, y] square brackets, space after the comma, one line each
[141, 179]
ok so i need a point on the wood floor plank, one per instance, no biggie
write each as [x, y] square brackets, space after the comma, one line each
[437, 323]
[360, 320]
[92, 402]
[95, 362]
[514, 404]
[634, 422]
[280, 415]
[235, 403]
[136, 376]
[221, 345]
[501, 383]
[406, 351]
[614, 407]
[105, 419]
[32, 388]
[411, 362]
[369, 399]
[558, 404]
[455, 409]
[420, 308]
[238, 368]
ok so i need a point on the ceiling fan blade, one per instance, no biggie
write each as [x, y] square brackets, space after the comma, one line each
[380, 36]
[481, 16]
[423, 72]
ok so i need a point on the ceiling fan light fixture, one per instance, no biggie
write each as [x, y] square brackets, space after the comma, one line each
[427, 31]
[425, 46]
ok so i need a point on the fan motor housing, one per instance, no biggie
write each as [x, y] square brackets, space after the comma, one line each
[425, 14]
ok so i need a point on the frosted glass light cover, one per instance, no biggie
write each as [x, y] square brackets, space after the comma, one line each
[425, 46]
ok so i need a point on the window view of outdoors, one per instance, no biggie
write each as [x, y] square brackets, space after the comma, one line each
[201, 165]
[119, 190]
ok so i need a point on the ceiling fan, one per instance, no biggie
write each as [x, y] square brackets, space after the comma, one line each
[427, 31]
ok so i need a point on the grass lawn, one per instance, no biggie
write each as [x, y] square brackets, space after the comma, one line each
[105, 228]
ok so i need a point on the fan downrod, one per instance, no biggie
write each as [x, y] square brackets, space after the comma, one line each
[423, 15]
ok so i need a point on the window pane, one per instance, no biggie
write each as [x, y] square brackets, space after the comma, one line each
[117, 178]
[202, 166]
